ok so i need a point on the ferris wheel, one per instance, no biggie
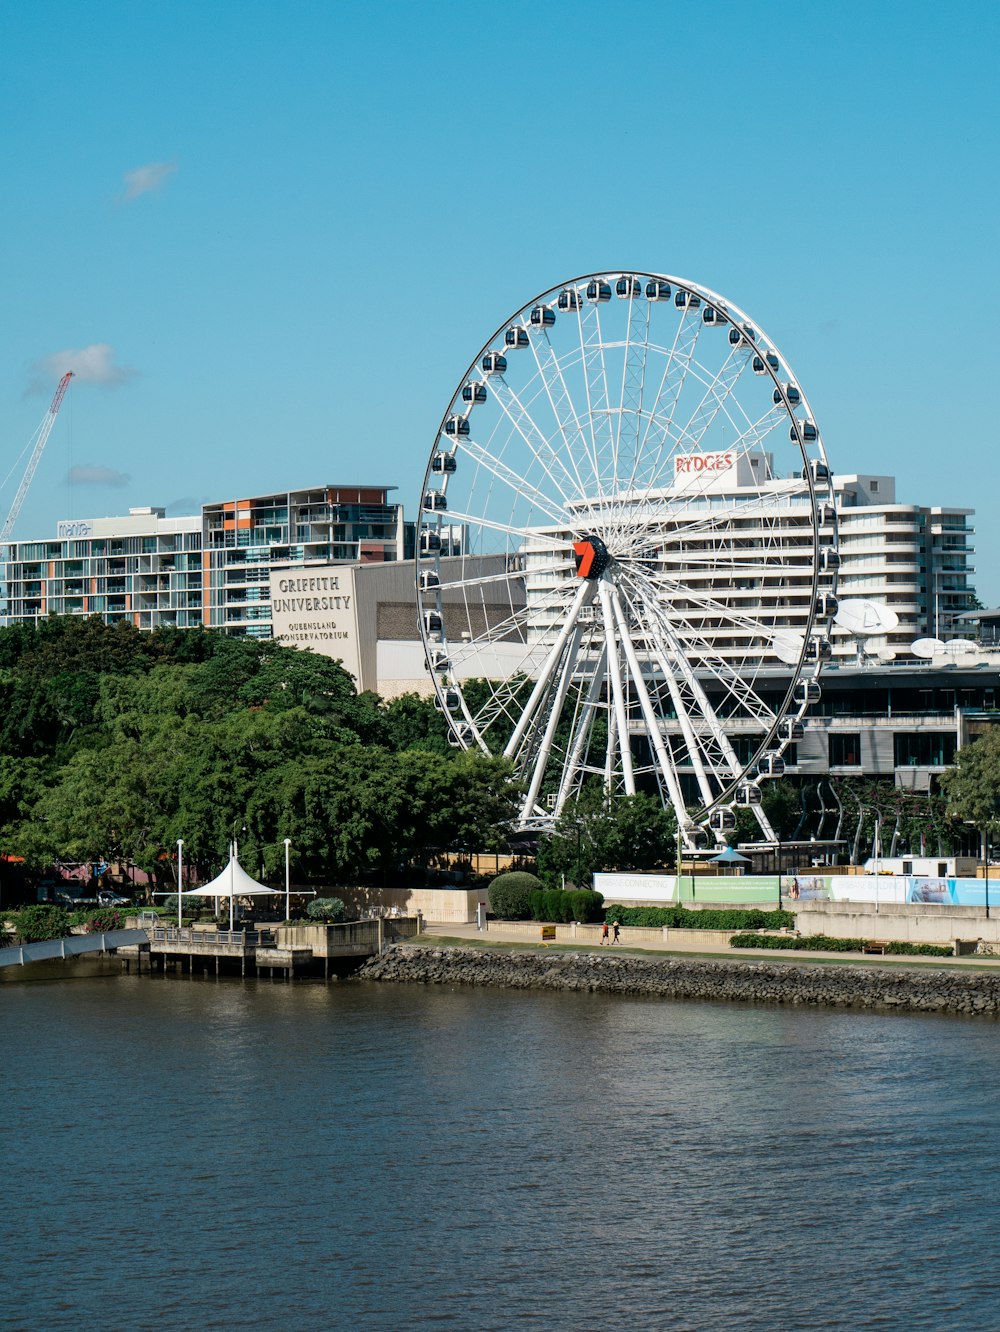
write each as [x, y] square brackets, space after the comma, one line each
[627, 555]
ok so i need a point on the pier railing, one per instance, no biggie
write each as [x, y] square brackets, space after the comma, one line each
[197, 940]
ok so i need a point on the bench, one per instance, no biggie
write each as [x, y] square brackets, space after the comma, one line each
[875, 946]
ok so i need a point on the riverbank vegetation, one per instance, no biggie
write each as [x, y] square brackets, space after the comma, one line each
[40, 921]
[115, 743]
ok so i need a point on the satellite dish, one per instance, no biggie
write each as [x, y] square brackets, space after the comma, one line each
[886, 654]
[788, 646]
[926, 647]
[859, 616]
[958, 647]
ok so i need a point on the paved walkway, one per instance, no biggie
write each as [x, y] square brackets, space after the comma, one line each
[497, 934]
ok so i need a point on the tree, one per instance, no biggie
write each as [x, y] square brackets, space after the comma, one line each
[971, 788]
[601, 833]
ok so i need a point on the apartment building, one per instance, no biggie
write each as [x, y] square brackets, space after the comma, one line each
[210, 569]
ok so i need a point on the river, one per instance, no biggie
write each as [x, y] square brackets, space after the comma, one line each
[201, 1154]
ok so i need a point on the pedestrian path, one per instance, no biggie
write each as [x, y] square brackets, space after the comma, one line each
[497, 933]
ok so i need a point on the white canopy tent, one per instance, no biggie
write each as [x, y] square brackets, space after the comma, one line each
[233, 882]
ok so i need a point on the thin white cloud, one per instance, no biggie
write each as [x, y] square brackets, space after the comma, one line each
[91, 365]
[86, 474]
[146, 179]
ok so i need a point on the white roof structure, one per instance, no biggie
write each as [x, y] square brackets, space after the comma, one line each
[234, 881]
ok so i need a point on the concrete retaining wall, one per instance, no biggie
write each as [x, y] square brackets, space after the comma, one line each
[444, 906]
[906, 922]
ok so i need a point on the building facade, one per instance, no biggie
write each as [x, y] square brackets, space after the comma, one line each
[212, 569]
[734, 556]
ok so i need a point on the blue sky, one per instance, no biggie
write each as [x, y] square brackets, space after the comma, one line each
[290, 227]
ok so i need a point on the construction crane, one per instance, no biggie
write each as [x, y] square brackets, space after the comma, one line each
[37, 445]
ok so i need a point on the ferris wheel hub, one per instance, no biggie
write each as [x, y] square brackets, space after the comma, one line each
[591, 557]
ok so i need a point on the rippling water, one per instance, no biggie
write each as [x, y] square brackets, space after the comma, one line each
[186, 1154]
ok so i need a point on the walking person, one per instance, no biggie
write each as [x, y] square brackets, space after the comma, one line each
[617, 933]
[604, 933]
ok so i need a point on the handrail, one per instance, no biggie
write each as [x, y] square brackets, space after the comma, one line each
[231, 938]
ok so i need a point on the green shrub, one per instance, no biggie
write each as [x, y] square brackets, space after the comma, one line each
[510, 895]
[100, 922]
[923, 950]
[588, 905]
[563, 906]
[681, 918]
[39, 922]
[553, 904]
[814, 943]
[330, 909]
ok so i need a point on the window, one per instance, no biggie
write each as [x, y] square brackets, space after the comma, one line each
[924, 749]
[845, 749]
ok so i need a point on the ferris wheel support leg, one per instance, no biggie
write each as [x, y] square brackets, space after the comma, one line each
[652, 721]
[582, 732]
[611, 752]
[765, 825]
[617, 687]
[584, 595]
[667, 656]
[545, 749]
[677, 657]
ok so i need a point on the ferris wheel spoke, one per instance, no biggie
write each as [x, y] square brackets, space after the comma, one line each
[632, 385]
[659, 429]
[617, 688]
[531, 535]
[676, 667]
[669, 655]
[561, 404]
[714, 399]
[583, 597]
[721, 519]
[498, 579]
[666, 770]
[541, 760]
[583, 725]
[732, 677]
[598, 400]
[523, 488]
[540, 448]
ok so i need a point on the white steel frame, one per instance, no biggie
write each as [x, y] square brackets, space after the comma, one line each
[660, 672]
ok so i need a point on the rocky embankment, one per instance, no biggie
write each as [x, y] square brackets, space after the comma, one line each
[765, 982]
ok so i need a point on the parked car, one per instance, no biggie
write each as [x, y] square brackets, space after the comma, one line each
[74, 903]
[108, 898]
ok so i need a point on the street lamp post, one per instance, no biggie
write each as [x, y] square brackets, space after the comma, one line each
[986, 875]
[678, 889]
[180, 878]
[288, 895]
